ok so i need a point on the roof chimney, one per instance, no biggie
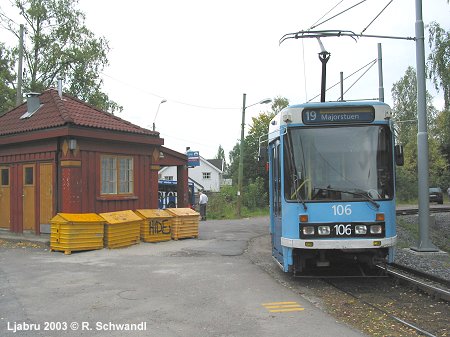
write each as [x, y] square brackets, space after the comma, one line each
[33, 104]
[60, 79]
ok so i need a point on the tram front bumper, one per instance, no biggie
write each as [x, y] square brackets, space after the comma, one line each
[339, 244]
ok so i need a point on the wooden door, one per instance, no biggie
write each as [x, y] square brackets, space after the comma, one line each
[46, 192]
[5, 195]
[29, 188]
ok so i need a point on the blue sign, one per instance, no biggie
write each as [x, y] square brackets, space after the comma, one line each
[344, 115]
[193, 158]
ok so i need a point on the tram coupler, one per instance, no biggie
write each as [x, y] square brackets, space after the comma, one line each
[322, 262]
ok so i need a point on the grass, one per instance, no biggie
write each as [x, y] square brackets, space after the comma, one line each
[228, 211]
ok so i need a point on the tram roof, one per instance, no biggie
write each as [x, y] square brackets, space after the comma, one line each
[335, 104]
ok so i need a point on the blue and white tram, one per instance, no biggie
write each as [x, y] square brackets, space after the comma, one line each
[332, 193]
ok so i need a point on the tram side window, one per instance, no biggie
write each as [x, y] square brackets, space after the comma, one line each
[276, 179]
[384, 163]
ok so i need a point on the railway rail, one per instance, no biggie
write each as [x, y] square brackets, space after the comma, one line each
[390, 299]
[415, 210]
[433, 286]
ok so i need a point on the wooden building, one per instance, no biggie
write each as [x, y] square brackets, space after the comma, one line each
[59, 154]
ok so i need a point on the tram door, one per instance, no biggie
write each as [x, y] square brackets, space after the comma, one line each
[28, 196]
[5, 198]
[277, 251]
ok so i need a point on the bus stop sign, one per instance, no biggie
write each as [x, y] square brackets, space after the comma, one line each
[193, 158]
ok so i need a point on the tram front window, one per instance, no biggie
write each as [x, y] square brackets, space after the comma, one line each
[338, 163]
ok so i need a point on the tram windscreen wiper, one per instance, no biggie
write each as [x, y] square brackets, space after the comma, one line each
[359, 194]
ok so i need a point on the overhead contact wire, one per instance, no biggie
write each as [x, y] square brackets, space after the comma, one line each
[376, 16]
[338, 14]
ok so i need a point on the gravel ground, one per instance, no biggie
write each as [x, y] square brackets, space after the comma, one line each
[437, 264]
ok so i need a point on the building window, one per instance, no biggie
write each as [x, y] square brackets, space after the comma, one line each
[29, 176]
[206, 175]
[5, 176]
[168, 177]
[117, 175]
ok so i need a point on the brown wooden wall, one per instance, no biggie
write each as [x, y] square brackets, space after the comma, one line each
[76, 180]
[15, 157]
[88, 173]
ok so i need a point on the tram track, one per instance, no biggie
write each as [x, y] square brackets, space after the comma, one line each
[409, 325]
[415, 210]
[431, 285]
[410, 298]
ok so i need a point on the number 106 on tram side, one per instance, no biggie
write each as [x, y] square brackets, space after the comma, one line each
[332, 184]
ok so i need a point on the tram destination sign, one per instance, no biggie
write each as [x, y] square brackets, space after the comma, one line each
[341, 115]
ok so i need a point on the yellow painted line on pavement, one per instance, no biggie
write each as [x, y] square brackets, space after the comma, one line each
[287, 310]
[283, 306]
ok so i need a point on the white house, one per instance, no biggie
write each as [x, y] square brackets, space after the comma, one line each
[207, 176]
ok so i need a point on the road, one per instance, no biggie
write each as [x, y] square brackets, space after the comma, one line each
[216, 285]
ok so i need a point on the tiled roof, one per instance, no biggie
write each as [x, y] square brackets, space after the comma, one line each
[218, 163]
[55, 112]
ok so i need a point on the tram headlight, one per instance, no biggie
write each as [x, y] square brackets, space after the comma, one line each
[360, 229]
[324, 230]
[308, 230]
[376, 229]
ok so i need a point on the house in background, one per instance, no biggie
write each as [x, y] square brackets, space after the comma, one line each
[207, 176]
[59, 154]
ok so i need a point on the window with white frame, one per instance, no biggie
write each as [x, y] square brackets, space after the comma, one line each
[206, 175]
[168, 177]
[117, 175]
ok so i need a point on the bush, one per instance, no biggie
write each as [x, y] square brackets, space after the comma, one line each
[255, 194]
[406, 186]
[223, 205]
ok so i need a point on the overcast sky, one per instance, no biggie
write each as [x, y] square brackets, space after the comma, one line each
[202, 55]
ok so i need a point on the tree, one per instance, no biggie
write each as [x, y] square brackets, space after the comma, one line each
[7, 77]
[220, 153]
[404, 94]
[279, 103]
[258, 130]
[439, 60]
[59, 44]
[439, 71]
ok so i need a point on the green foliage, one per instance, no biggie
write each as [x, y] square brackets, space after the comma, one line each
[404, 93]
[7, 77]
[221, 155]
[439, 60]
[222, 205]
[258, 130]
[58, 43]
[256, 194]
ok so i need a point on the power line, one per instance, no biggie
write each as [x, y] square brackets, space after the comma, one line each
[168, 99]
[338, 14]
[370, 65]
[374, 62]
[312, 26]
[376, 17]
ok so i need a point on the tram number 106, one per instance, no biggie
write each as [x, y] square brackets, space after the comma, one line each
[341, 209]
[342, 229]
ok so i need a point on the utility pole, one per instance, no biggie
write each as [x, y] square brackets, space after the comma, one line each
[241, 155]
[19, 97]
[380, 75]
[424, 244]
[241, 160]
